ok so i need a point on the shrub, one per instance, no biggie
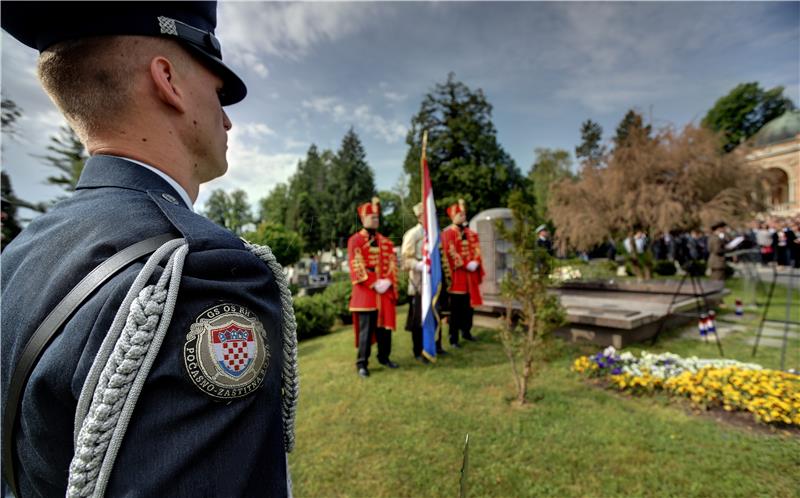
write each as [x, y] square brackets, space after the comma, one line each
[696, 267]
[315, 315]
[665, 268]
[402, 287]
[338, 295]
[286, 245]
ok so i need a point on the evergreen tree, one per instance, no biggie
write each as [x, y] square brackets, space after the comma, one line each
[309, 208]
[743, 111]
[590, 150]
[10, 113]
[8, 212]
[231, 211]
[352, 184]
[631, 124]
[464, 156]
[66, 154]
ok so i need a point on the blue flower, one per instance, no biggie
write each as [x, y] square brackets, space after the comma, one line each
[616, 371]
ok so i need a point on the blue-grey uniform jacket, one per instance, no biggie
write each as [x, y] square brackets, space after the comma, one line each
[180, 441]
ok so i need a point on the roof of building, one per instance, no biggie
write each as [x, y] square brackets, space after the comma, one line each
[784, 127]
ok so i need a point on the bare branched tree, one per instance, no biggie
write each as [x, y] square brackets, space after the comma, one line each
[670, 181]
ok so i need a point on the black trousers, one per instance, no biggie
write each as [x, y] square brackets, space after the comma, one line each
[460, 317]
[368, 325]
[414, 324]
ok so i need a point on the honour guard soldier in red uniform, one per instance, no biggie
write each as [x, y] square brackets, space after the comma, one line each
[463, 272]
[373, 273]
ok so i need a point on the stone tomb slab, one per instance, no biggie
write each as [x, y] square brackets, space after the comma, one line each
[615, 313]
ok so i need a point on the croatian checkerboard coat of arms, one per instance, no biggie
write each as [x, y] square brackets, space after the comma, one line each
[226, 352]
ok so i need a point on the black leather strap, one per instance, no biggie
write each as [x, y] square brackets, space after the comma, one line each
[47, 330]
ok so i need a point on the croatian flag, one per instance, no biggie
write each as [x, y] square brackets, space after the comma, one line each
[432, 274]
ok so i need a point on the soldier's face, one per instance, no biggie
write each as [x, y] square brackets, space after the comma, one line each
[209, 125]
[370, 221]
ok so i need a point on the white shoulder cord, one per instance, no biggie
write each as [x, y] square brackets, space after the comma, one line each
[126, 356]
[290, 378]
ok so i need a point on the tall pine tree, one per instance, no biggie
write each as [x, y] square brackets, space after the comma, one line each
[464, 156]
[8, 212]
[309, 208]
[67, 155]
[591, 149]
[352, 184]
[631, 125]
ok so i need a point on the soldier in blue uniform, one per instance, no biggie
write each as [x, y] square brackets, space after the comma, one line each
[176, 376]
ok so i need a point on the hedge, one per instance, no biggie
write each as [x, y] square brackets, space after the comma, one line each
[315, 315]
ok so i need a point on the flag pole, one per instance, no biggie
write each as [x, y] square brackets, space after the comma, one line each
[422, 159]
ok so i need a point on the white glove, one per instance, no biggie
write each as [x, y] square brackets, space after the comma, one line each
[472, 266]
[420, 266]
[382, 285]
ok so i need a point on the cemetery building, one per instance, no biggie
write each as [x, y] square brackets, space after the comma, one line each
[776, 149]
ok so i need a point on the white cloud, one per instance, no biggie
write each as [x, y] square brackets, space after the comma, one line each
[251, 30]
[250, 168]
[320, 104]
[251, 60]
[290, 143]
[395, 97]
[253, 130]
[389, 130]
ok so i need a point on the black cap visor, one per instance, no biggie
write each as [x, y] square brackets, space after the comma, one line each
[233, 88]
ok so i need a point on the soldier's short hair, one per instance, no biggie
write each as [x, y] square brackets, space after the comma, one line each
[89, 79]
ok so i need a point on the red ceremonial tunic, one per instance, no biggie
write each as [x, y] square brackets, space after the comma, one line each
[458, 251]
[368, 263]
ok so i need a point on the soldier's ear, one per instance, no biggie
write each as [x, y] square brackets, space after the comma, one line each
[163, 76]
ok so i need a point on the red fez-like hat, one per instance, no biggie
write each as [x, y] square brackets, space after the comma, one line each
[459, 207]
[373, 207]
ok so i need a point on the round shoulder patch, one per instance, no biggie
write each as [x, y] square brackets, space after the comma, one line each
[226, 352]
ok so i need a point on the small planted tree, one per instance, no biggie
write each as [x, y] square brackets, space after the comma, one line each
[526, 285]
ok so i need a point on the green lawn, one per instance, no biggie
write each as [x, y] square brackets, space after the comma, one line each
[400, 433]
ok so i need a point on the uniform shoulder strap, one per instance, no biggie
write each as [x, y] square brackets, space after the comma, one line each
[47, 330]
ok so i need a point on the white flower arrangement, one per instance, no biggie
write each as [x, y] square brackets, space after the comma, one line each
[663, 365]
[564, 273]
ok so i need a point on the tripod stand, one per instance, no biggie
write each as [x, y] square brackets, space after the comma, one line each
[789, 294]
[749, 259]
[699, 295]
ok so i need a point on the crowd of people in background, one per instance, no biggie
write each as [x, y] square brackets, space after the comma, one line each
[771, 241]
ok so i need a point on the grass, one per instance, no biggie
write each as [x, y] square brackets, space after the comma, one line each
[735, 345]
[400, 433]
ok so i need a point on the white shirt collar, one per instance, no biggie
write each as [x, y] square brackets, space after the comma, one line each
[177, 186]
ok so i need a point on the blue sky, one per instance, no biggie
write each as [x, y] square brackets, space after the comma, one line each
[315, 69]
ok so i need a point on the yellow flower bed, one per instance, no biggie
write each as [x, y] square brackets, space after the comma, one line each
[583, 365]
[772, 396]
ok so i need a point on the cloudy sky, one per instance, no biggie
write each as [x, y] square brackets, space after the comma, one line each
[315, 69]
